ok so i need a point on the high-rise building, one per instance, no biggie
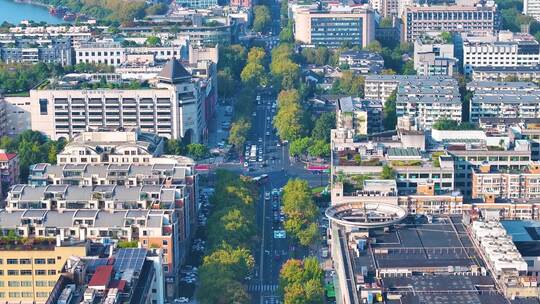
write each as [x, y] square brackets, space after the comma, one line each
[532, 8]
[418, 20]
[335, 26]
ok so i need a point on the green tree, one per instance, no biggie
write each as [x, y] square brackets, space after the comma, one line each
[388, 172]
[302, 281]
[226, 83]
[233, 58]
[288, 122]
[254, 74]
[174, 147]
[157, 9]
[300, 211]
[262, 19]
[153, 41]
[389, 112]
[374, 46]
[385, 22]
[408, 68]
[323, 125]
[300, 146]
[197, 151]
[349, 84]
[320, 148]
[238, 133]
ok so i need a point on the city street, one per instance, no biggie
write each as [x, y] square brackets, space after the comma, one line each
[273, 252]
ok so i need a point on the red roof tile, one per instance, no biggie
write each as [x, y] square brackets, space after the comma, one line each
[7, 156]
[102, 276]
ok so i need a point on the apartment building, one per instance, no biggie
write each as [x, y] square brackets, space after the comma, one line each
[9, 170]
[380, 87]
[335, 26]
[362, 116]
[426, 105]
[173, 108]
[198, 4]
[504, 100]
[532, 8]
[362, 62]
[386, 8]
[506, 184]
[434, 56]
[29, 270]
[506, 49]
[520, 73]
[112, 147]
[46, 50]
[418, 20]
[466, 160]
[150, 228]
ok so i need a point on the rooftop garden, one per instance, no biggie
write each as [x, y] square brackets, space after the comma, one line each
[11, 241]
[405, 163]
[452, 125]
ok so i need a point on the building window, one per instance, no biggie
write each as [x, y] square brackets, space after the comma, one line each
[12, 261]
[51, 272]
[14, 294]
[26, 272]
[26, 283]
[39, 261]
[42, 294]
[25, 261]
[43, 106]
[26, 294]
[41, 283]
[51, 261]
[165, 243]
[166, 268]
[52, 283]
[12, 272]
[40, 272]
[13, 284]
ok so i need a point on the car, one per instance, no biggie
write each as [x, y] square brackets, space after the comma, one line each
[260, 139]
[254, 114]
[246, 164]
[260, 159]
[181, 300]
[267, 133]
[267, 196]
[282, 219]
[278, 144]
[267, 117]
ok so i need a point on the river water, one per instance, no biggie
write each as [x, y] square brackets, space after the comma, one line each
[14, 12]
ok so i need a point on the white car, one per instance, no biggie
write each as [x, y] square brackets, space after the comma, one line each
[246, 164]
[254, 114]
[267, 133]
[181, 300]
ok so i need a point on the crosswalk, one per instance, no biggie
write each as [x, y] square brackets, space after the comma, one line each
[272, 300]
[262, 288]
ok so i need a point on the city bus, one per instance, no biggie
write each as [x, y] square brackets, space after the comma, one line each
[253, 153]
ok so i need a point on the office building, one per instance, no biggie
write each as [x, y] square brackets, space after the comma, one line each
[173, 108]
[419, 20]
[363, 117]
[427, 105]
[532, 8]
[506, 49]
[26, 50]
[507, 73]
[30, 268]
[335, 26]
[434, 56]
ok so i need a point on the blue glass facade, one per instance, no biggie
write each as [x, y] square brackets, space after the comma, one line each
[334, 32]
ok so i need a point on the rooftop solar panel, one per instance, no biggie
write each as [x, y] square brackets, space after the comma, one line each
[130, 259]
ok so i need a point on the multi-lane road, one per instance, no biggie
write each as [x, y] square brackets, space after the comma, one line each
[272, 252]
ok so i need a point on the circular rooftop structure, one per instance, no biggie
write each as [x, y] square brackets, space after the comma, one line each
[367, 215]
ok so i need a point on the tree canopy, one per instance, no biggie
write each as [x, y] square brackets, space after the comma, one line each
[301, 282]
[301, 212]
[262, 19]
